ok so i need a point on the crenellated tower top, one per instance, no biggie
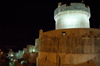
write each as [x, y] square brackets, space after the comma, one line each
[76, 13]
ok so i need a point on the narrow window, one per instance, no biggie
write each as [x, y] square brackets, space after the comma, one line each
[63, 33]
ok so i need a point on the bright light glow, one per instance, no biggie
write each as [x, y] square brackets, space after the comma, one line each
[1, 52]
[23, 62]
[12, 55]
[72, 20]
[11, 59]
[14, 60]
[33, 50]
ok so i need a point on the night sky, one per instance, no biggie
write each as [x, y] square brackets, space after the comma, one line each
[22, 20]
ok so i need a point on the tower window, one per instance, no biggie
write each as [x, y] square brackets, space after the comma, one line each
[63, 33]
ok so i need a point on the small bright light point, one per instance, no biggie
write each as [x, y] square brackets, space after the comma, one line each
[12, 55]
[11, 59]
[14, 60]
[33, 50]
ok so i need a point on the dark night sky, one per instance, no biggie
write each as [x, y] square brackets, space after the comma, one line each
[21, 20]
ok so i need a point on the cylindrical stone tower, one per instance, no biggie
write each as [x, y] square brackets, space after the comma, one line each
[66, 46]
[75, 15]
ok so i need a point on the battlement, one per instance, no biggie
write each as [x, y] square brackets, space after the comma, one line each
[72, 7]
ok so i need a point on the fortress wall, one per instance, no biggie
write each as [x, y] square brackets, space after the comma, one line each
[74, 41]
[75, 47]
[70, 45]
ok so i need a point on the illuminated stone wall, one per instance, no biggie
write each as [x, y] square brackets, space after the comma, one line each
[30, 48]
[36, 45]
[25, 50]
[97, 59]
[72, 6]
[19, 54]
[10, 53]
[33, 57]
[74, 16]
[68, 46]
[72, 20]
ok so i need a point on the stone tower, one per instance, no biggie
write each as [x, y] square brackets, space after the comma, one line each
[75, 15]
[73, 43]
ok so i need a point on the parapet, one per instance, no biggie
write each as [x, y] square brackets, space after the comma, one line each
[72, 7]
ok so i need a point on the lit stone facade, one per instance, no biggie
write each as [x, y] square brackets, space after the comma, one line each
[19, 54]
[36, 45]
[30, 48]
[73, 43]
[11, 53]
[75, 15]
[33, 57]
[68, 46]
